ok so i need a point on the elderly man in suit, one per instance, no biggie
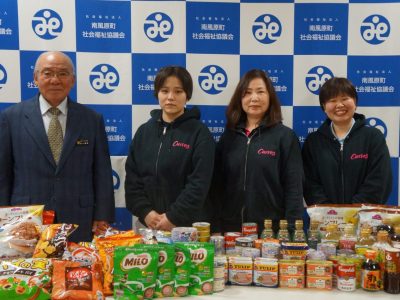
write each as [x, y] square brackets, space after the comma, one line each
[54, 151]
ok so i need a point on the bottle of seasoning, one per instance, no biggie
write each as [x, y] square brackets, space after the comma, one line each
[313, 236]
[267, 231]
[365, 241]
[370, 273]
[332, 235]
[299, 236]
[283, 233]
[386, 225]
[396, 237]
[391, 282]
[348, 239]
[380, 246]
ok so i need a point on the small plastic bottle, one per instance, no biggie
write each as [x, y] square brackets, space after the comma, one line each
[283, 233]
[313, 236]
[365, 241]
[396, 237]
[371, 277]
[299, 236]
[267, 231]
[332, 235]
[348, 239]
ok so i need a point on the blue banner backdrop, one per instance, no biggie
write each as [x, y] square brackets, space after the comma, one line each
[118, 47]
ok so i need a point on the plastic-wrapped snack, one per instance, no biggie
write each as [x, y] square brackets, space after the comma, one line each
[202, 273]
[74, 281]
[374, 217]
[20, 229]
[85, 255]
[183, 270]
[25, 278]
[53, 240]
[135, 272]
[336, 214]
[106, 251]
[166, 268]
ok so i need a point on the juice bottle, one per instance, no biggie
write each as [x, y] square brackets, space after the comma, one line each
[299, 236]
[313, 236]
[283, 233]
[365, 241]
[267, 231]
[348, 239]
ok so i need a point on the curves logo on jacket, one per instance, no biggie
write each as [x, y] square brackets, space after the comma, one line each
[262, 151]
[181, 144]
[359, 156]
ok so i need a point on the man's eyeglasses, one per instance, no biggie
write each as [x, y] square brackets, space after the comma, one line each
[47, 74]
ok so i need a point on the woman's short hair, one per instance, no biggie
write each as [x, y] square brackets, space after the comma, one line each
[336, 86]
[176, 71]
[235, 113]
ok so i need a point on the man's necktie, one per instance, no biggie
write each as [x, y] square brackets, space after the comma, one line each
[55, 134]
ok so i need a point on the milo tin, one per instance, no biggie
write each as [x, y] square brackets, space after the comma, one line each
[346, 276]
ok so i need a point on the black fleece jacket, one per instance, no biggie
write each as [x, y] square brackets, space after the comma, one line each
[359, 173]
[169, 168]
[257, 177]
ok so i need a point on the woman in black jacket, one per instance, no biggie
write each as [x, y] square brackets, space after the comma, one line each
[258, 162]
[170, 161]
[345, 161]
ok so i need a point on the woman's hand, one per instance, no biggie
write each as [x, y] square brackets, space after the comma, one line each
[164, 223]
[152, 219]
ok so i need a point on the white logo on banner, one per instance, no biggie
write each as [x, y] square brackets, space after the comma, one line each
[267, 29]
[104, 78]
[213, 79]
[3, 76]
[378, 124]
[316, 77]
[375, 29]
[47, 24]
[158, 27]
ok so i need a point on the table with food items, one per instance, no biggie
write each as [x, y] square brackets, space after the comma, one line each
[348, 251]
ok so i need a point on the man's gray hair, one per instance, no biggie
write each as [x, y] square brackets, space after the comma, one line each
[36, 69]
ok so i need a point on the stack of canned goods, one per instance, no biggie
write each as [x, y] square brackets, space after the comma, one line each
[220, 273]
[203, 230]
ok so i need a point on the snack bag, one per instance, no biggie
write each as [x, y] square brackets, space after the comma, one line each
[83, 254]
[334, 214]
[183, 270]
[20, 228]
[166, 268]
[135, 272]
[106, 247]
[74, 281]
[25, 278]
[202, 268]
[53, 240]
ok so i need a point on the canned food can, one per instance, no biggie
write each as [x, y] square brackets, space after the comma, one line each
[249, 229]
[270, 250]
[250, 252]
[241, 243]
[202, 226]
[218, 285]
[346, 276]
[230, 240]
